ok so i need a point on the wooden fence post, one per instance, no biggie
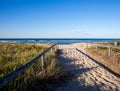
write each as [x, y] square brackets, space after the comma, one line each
[51, 50]
[87, 45]
[42, 61]
[96, 47]
[55, 48]
[109, 52]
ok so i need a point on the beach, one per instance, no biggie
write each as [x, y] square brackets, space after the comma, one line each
[88, 75]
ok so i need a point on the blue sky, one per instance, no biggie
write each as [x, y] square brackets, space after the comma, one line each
[59, 18]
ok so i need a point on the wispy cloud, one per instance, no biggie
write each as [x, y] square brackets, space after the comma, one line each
[75, 31]
[79, 33]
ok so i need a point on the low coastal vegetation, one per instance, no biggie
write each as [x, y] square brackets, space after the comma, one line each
[115, 43]
[111, 58]
[14, 55]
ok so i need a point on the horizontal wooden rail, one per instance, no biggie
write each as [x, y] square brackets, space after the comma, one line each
[12, 75]
[105, 67]
[116, 47]
[107, 46]
[99, 45]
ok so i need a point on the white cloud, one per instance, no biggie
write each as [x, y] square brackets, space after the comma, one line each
[75, 31]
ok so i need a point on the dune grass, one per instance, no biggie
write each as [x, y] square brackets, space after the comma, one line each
[14, 55]
[102, 55]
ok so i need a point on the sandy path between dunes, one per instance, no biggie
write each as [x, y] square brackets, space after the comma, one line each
[89, 76]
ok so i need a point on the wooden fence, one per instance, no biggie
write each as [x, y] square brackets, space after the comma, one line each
[17, 72]
[110, 48]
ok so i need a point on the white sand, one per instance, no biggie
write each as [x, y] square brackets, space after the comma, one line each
[89, 76]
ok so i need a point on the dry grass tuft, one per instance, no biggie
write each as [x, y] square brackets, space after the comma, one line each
[112, 62]
[34, 78]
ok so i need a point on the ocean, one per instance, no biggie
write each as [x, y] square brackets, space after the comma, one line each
[57, 40]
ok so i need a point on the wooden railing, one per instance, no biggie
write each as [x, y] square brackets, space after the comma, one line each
[20, 71]
[107, 46]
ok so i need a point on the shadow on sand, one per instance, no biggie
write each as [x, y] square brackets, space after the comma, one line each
[76, 70]
[105, 67]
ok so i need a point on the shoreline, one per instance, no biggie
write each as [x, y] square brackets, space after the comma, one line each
[57, 40]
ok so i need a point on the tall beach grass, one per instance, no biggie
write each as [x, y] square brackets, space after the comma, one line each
[14, 55]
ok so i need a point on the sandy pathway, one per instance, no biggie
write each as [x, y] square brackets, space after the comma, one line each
[89, 76]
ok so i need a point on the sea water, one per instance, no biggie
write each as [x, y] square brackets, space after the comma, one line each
[56, 40]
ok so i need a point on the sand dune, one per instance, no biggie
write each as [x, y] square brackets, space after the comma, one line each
[89, 76]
